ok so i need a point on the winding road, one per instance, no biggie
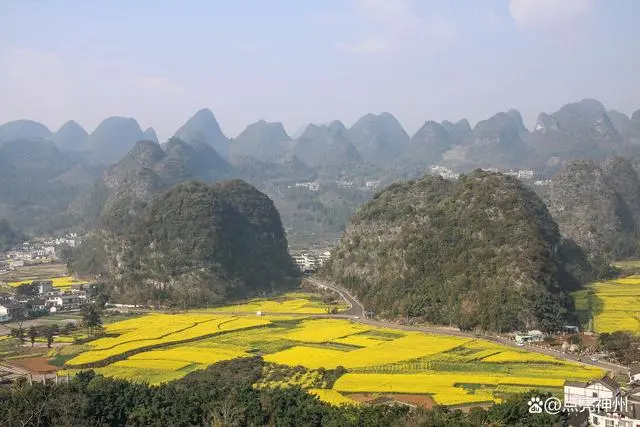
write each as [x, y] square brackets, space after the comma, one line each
[357, 314]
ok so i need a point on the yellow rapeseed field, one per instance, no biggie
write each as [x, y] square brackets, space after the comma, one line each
[165, 365]
[613, 305]
[444, 387]
[331, 396]
[459, 396]
[165, 332]
[205, 356]
[359, 340]
[309, 357]
[294, 302]
[452, 370]
[58, 282]
[323, 330]
[149, 375]
[411, 346]
[520, 356]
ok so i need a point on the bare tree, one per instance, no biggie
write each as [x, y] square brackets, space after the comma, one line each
[226, 413]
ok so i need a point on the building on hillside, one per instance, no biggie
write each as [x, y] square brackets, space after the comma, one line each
[44, 286]
[586, 394]
[308, 262]
[38, 304]
[65, 302]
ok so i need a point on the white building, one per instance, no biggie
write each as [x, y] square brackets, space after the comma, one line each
[311, 261]
[66, 302]
[585, 394]
[311, 186]
[444, 172]
[45, 287]
[623, 413]
[7, 311]
[531, 336]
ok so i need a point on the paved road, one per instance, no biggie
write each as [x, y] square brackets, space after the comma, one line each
[357, 313]
[356, 309]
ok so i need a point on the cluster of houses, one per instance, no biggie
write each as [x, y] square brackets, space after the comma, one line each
[48, 299]
[316, 185]
[604, 402]
[522, 174]
[309, 262]
[35, 251]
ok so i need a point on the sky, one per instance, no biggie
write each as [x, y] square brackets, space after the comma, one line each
[300, 62]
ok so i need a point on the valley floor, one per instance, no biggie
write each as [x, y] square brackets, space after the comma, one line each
[338, 360]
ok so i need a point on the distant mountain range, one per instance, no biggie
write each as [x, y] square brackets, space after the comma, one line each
[584, 129]
[51, 179]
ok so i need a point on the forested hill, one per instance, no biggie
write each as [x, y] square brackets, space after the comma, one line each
[479, 252]
[8, 236]
[191, 245]
[598, 206]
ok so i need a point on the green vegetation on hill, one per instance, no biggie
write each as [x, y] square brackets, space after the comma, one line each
[8, 236]
[598, 208]
[479, 252]
[37, 182]
[191, 245]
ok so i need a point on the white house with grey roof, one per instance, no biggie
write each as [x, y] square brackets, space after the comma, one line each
[584, 394]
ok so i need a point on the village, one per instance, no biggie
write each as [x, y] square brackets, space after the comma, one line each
[601, 402]
[23, 292]
[37, 251]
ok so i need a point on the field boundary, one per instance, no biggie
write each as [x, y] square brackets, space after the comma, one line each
[122, 356]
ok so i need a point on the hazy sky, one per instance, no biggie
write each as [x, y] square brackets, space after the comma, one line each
[301, 61]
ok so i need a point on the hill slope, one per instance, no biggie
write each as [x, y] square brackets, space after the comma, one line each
[23, 129]
[195, 244]
[264, 141]
[8, 236]
[379, 139]
[596, 207]
[112, 139]
[480, 252]
[204, 127]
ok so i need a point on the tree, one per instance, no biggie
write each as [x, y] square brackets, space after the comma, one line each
[226, 413]
[68, 328]
[27, 290]
[91, 317]
[33, 334]
[49, 332]
[20, 316]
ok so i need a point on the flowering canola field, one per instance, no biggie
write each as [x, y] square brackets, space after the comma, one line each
[64, 282]
[612, 305]
[157, 348]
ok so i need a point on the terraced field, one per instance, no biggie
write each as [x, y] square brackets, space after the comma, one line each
[63, 282]
[294, 302]
[331, 358]
[610, 306]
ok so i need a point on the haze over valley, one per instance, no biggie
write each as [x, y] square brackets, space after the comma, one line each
[344, 213]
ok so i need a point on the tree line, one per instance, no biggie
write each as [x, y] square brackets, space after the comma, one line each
[223, 395]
